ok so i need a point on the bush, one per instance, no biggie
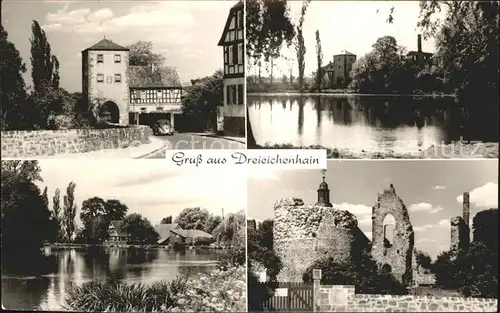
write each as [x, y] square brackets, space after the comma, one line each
[115, 296]
[233, 258]
[218, 291]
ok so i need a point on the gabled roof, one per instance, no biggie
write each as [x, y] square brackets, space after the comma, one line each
[106, 45]
[145, 77]
[117, 226]
[236, 7]
[345, 52]
[191, 233]
[163, 230]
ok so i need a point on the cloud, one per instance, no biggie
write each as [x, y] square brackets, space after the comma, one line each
[485, 196]
[438, 187]
[100, 15]
[426, 227]
[424, 207]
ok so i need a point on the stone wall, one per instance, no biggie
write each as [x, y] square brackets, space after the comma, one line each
[460, 235]
[343, 299]
[304, 234]
[398, 255]
[22, 144]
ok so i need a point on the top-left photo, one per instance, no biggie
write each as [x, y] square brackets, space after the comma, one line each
[121, 79]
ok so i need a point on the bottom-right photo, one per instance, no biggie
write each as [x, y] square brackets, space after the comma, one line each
[375, 236]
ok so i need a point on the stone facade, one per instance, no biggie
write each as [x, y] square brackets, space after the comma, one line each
[343, 299]
[304, 234]
[460, 231]
[394, 254]
[17, 144]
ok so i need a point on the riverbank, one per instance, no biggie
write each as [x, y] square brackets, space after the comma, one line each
[85, 246]
[217, 291]
[456, 150]
[345, 92]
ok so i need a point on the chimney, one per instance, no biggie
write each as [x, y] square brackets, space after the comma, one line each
[419, 43]
[466, 212]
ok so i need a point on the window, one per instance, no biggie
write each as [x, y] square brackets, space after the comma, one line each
[240, 94]
[240, 53]
[118, 78]
[118, 58]
[100, 58]
[228, 95]
[234, 96]
[240, 19]
[225, 55]
[235, 54]
[100, 78]
[231, 58]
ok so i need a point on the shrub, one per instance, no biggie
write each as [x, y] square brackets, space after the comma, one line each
[114, 296]
[233, 258]
[218, 291]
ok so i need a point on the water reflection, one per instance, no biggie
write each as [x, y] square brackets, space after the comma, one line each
[41, 283]
[370, 123]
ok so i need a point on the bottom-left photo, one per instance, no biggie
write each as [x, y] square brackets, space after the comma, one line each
[123, 236]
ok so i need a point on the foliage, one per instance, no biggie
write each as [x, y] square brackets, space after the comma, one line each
[232, 258]
[44, 65]
[110, 210]
[113, 296]
[423, 259]
[362, 273]
[141, 54]
[202, 99]
[485, 224]
[12, 93]
[211, 223]
[69, 211]
[192, 218]
[218, 291]
[56, 209]
[166, 220]
[140, 229]
[26, 220]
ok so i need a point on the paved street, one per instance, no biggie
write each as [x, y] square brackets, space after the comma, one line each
[181, 141]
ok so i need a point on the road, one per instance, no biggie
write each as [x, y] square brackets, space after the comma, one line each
[180, 141]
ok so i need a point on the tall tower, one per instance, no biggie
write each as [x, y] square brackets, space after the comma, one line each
[466, 208]
[105, 80]
[323, 193]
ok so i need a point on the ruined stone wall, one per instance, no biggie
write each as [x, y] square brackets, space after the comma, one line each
[304, 234]
[44, 142]
[343, 299]
[399, 255]
[460, 235]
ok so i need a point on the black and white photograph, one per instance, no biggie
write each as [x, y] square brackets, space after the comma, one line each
[374, 79]
[122, 236]
[369, 236]
[121, 79]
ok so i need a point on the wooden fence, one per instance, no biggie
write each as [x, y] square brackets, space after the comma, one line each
[290, 297]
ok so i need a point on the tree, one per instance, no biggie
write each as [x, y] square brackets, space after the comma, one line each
[141, 54]
[300, 47]
[319, 57]
[140, 229]
[192, 218]
[115, 210]
[228, 230]
[484, 224]
[166, 220]
[12, 93]
[23, 208]
[56, 208]
[91, 209]
[423, 259]
[211, 223]
[45, 198]
[97, 231]
[69, 211]
[45, 66]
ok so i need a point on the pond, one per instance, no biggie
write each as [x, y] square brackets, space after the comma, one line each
[41, 284]
[401, 124]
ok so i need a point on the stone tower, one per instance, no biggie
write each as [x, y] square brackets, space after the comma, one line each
[323, 193]
[459, 230]
[105, 80]
[393, 237]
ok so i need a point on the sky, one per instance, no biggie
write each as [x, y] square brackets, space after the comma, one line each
[353, 26]
[431, 190]
[152, 188]
[185, 32]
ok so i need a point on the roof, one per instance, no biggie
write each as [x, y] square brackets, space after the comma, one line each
[192, 233]
[163, 230]
[236, 7]
[417, 53]
[144, 76]
[106, 44]
[345, 52]
[117, 225]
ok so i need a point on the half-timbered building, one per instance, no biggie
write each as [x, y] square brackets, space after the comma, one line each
[231, 116]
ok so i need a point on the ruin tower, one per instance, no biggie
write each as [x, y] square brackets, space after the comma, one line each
[323, 193]
[459, 230]
[393, 237]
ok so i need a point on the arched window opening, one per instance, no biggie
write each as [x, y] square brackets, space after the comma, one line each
[386, 269]
[388, 228]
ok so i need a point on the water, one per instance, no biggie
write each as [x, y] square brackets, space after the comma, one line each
[41, 284]
[401, 124]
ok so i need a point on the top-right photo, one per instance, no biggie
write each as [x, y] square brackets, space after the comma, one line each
[374, 79]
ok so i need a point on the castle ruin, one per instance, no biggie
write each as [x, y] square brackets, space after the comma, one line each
[460, 231]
